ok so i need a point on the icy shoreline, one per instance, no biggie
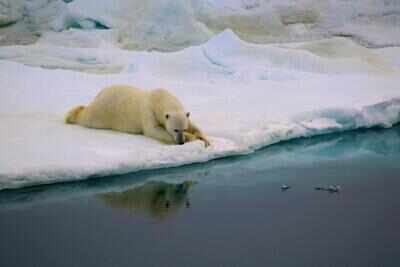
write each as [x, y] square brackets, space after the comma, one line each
[244, 96]
[118, 157]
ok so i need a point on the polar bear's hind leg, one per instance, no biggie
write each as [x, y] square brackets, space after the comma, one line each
[72, 115]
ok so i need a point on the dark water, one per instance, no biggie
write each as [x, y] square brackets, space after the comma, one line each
[228, 212]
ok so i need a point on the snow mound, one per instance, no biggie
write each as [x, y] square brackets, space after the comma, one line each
[145, 25]
[222, 56]
[10, 11]
[244, 96]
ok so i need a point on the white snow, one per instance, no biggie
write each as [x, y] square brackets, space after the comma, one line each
[244, 96]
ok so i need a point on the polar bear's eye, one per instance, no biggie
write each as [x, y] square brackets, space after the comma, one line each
[166, 116]
[188, 114]
[176, 130]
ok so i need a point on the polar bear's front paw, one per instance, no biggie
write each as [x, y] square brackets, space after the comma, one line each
[192, 137]
[207, 143]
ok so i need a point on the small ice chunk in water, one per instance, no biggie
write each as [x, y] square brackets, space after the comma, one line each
[334, 188]
[284, 187]
[331, 188]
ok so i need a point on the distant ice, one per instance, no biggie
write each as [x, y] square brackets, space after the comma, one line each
[172, 25]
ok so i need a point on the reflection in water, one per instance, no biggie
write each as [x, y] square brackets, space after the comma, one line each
[157, 199]
[361, 144]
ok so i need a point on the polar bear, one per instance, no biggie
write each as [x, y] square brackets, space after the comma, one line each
[156, 114]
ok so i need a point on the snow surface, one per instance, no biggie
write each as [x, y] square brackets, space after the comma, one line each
[244, 96]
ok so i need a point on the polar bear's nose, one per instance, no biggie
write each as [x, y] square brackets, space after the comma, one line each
[179, 138]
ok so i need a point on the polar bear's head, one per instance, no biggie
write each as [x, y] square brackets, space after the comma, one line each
[176, 123]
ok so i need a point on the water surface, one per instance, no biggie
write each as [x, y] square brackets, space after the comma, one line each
[228, 212]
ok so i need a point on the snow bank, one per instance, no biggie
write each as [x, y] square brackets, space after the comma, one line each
[145, 25]
[24, 21]
[10, 11]
[244, 96]
[167, 25]
[172, 25]
[372, 23]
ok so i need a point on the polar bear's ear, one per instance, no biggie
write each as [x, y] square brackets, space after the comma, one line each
[167, 116]
[188, 114]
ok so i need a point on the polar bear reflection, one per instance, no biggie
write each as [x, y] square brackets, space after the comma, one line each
[157, 199]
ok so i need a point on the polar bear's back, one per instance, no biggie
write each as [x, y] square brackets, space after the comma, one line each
[116, 107]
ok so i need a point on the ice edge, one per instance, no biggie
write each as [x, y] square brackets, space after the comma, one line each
[383, 114]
